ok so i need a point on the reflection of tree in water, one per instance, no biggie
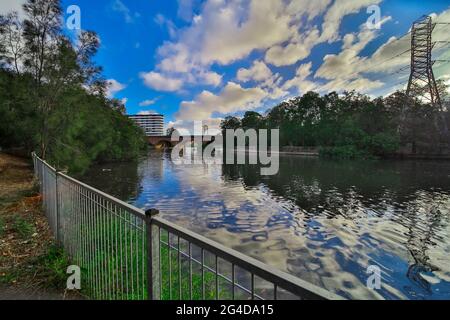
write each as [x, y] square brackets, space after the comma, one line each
[420, 241]
[402, 191]
[120, 180]
[309, 181]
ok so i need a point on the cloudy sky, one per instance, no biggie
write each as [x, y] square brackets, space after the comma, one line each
[203, 60]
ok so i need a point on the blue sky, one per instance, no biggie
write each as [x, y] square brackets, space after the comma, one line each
[203, 60]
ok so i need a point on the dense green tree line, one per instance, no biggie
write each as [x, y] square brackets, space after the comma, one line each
[53, 97]
[352, 125]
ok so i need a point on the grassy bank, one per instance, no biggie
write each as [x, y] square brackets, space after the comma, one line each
[31, 265]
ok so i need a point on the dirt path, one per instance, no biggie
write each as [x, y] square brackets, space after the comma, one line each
[31, 265]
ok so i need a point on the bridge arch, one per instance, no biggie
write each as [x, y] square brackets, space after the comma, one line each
[161, 141]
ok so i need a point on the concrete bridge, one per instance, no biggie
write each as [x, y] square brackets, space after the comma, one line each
[166, 141]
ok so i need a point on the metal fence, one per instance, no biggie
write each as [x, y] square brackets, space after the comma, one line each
[126, 253]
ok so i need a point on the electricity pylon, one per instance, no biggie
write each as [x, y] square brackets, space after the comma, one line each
[421, 81]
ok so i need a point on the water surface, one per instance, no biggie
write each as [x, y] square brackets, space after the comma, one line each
[323, 221]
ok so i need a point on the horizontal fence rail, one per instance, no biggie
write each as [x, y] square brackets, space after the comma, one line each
[127, 254]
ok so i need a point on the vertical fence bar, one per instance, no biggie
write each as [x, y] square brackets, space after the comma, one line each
[58, 230]
[217, 276]
[190, 271]
[152, 239]
[253, 285]
[159, 261]
[179, 271]
[121, 256]
[169, 256]
[232, 281]
[203, 272]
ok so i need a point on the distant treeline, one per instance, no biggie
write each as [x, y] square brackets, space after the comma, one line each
[53, 97]
[352, 125]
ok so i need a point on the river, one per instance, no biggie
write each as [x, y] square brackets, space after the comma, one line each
[323, 221]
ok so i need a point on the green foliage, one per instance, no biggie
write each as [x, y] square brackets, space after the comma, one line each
[252, 120]
[51, 267]
[230, 123]
[23, 227]
[382, 143]
[52, 95]
[350, 125]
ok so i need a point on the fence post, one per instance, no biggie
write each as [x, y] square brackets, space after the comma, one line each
[152, 256]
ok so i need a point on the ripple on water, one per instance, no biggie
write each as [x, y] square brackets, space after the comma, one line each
[323, 221]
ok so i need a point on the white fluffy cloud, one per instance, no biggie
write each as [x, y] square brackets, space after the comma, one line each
[300, 80]
[232, 98]
[226, 31]
[340, 9]
[258, 72]
[297, 49]
[348, 61]
[307, 37]
[113, 86]
[160, 82]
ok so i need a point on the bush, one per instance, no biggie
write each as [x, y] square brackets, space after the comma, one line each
[382, 144]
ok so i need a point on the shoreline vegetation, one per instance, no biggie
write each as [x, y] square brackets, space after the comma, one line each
[355, 126]
[54, 99]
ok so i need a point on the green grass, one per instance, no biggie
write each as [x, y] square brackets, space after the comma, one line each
[176, 274]
[48, 268]
[51, 267]
[23, 227]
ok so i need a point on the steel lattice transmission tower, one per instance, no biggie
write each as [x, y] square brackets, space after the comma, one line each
[422, 82]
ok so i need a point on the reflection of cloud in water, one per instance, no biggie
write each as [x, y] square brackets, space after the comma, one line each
[324, 222]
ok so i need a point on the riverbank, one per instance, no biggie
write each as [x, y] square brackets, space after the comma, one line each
[31, 265]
